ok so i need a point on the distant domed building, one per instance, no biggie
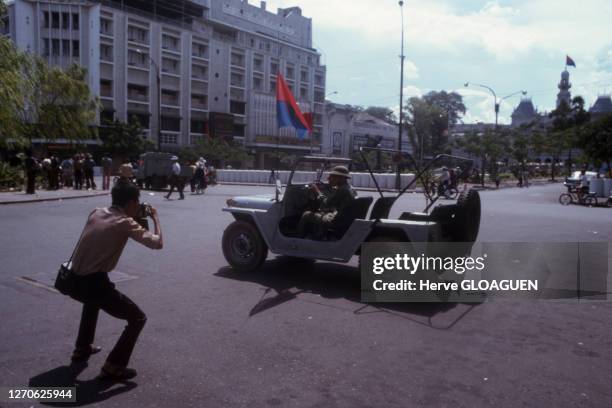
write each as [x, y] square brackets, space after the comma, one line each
[601, 107]
[524, 113]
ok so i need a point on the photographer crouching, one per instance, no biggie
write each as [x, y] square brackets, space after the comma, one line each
[97, 253]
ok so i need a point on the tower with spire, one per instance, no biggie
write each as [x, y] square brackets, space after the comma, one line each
[564, 94]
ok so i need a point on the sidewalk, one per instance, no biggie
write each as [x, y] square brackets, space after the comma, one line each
[20, 197]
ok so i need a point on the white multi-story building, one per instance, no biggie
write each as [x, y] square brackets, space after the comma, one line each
[208, 66]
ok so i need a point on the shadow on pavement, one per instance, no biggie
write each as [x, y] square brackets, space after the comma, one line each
[87, 392]
[289, 277]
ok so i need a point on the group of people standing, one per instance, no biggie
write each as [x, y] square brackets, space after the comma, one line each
[72, 172]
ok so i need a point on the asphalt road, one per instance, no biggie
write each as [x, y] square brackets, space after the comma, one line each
[297, 335]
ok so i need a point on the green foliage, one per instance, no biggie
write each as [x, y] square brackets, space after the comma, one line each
[489, 146]
[215, 150]
[596, 141]
[12, 84]
[10, 177]
[125, 139]
[382, 113]
[428, 120]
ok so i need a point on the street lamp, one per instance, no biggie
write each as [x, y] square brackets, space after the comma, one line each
[331, 93]
[401, 101]
[497, 102]
[139, 51]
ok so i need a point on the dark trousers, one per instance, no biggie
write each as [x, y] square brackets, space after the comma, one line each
[97, 292]
[177, 182]
[78, 179]
[89, 179]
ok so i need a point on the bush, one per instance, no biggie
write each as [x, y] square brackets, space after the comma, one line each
[10, 177]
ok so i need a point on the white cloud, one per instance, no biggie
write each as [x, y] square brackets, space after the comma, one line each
[503, 31]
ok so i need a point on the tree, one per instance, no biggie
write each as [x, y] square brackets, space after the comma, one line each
[449, 102]
[596, 141]
[567, 121]
[382, 113]
[124, 139]
[488, 147]
[12, 86]
[427, 127]
[218, 151]
[58, 102]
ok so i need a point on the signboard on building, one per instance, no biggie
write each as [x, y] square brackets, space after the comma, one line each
[221, 125]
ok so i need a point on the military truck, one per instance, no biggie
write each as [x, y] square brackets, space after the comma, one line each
[155, 169]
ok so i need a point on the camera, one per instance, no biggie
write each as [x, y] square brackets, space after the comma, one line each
[144, 211]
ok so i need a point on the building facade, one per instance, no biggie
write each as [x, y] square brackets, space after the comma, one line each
[346, 129]
[184, 69]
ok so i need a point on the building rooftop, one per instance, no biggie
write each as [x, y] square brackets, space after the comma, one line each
[603, 104]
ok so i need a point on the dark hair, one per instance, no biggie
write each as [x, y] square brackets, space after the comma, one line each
[123, 192]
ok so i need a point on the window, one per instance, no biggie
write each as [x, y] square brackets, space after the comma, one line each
[171, 123]
[169, 97]
[290, 71]
[199, 101]
[65, 21]
[257, 83]
[239, 129]
[106, 26]
[106, 88]
[170, 65]
[45, 47]
[55, 45]
[137, 93]
[138, 59]
[107, 117]
[303, 92]
[137, 34]
[273, 85]
[258, 63]
[200, 50]
[237, 79]
[45, 19]
[238, 108]
[75, 21]
[319, 96]
[274, 67]
[318, 79]
[237, 59]
[199, 126]
[66, 48]
[141, 118]
[55, 20]
[106, 52]
[170, 43]
[199, 72]
[304, 76]
[76, 49]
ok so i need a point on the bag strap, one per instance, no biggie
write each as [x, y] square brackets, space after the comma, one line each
[80, 237]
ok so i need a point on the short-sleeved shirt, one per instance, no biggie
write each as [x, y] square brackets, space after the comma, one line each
[104, 237]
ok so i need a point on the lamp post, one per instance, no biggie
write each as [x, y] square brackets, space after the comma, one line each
[158, 78]
[331, 93]
[401, 101]
[497, 102]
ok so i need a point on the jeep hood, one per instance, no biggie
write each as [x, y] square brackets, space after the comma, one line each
[257, 202]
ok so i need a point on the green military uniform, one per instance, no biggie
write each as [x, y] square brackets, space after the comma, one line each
[314, 224]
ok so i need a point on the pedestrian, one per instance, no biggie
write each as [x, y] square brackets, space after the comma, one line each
[78, 172]
[103, 239]
[31, 167]
[200, 177]
[88, 170]
[192, 181]
[107, 168]
[67, 172]
[175, 179]
[54, 173]
[46, 172]
[126, 171]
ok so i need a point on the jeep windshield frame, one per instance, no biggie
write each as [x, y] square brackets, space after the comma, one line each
[420, 172]
[323, 162]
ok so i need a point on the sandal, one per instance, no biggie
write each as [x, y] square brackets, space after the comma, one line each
[83, 354]
[114, 373]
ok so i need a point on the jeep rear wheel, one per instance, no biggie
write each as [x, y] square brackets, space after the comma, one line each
[243, 247]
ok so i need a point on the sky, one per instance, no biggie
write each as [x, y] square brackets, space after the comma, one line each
[509, 46]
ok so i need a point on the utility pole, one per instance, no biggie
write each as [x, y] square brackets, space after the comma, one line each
[398, 182]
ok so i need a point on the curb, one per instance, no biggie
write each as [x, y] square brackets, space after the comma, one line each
[39, 200]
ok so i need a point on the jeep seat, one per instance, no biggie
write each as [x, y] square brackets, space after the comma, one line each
[356, 210]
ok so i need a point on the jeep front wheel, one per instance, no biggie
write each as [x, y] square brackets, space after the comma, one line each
[243, 247]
